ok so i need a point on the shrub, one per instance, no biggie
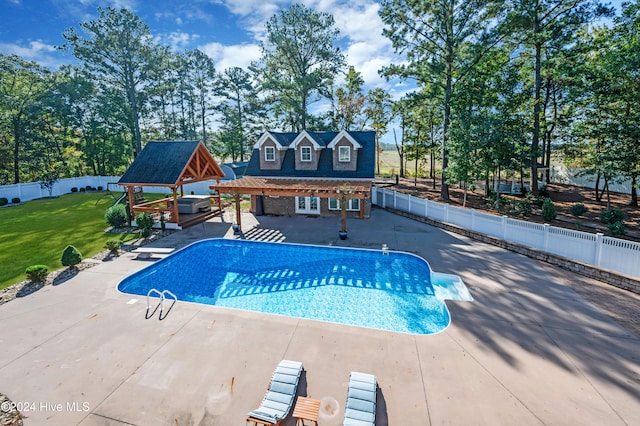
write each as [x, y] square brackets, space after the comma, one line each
[113, 245]
[611, 216]
[578, 209]
[548, 210]
[145, 223]
[578, 223]
[15, 200]
[74, 189]
[37, 273]
[544, 192]
[82, 189]
[116, 216]
[88, 187]
[616, 228]
[3, 201]
[523, 207]
[71, 256]
[100, 188]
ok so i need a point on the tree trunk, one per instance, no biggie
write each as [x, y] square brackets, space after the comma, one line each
[16, 149]
[634, 191]
[444, 190]
[536, 114]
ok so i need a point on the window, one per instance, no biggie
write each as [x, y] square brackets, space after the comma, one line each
[352, 205]
[308, 205]
[305, 153]
[344, 154]
[269, 153]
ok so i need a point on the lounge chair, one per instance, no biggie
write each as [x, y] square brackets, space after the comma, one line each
[279, 398]
[360, 409]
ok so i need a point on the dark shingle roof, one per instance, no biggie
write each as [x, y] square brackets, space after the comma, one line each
[160, 163]
[366, 158]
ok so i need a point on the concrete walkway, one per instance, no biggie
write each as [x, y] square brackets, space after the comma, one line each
[527, 351]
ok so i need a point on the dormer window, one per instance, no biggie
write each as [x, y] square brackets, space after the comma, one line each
[269, 153]
[305, 153]
[344, 154]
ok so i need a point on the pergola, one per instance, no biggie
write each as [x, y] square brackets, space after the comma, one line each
[171, 164]
[283, 187]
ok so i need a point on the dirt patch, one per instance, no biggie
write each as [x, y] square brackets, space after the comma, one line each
[563, 196]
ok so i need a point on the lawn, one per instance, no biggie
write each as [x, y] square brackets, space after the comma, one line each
[37, 232]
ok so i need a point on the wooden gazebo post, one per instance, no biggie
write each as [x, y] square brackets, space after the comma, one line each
[236, 196]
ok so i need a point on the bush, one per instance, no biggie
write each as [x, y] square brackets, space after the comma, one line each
[611, 216]
[578, 209]
[116, 216]
[82, 190]
[37, 273]
[88, 187]
[544, 192]
[74, 189]
[616, 228]
[3, 201]
[71, 256]
[15, 200]
[523, 207]
[145, 223]
[100, 188]
[113, 245]
[548, 210]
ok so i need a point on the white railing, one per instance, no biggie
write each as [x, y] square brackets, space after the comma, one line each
[32, 190]
[594, 249]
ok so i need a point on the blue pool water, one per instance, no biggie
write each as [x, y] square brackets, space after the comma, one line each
[395, 291]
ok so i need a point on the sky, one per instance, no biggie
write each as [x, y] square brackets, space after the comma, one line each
[227, 30]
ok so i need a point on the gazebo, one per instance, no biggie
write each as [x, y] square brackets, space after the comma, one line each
[173, 164]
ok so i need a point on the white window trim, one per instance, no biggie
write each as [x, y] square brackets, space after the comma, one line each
[307, 206]
[268, 149]
[340, 150]
[302, 150]
[350, 205]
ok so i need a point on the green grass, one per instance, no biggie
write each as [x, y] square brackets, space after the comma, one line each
[37, 232]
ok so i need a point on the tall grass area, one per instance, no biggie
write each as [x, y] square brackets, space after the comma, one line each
[37, 232]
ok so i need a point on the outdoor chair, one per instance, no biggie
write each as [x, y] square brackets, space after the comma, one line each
[360, 408]
[279, 398]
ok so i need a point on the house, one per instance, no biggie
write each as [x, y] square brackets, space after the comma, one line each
[308, 173]
[173, 164]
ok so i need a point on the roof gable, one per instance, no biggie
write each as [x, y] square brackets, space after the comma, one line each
[308, 136]
[365, 161]
[172, 163]
[346, 135]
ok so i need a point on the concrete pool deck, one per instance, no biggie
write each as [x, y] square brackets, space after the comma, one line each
[528, 350]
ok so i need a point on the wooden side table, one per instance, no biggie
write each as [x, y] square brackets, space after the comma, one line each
[306, 409]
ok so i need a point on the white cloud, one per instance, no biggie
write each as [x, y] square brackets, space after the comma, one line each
[37, 51]
[239, 55]
[177, 40]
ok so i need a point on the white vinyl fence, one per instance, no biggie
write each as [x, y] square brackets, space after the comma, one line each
[32, 190]
[595, 249]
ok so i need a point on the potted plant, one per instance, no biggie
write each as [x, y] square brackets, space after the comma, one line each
[346, 193]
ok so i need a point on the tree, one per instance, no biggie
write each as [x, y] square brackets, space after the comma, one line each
[299, 59]
[241, 111]
[443, 40]
[119, 51]
[379, 112]
[350, 102]
[23, 86]
[203, 74]
[535, 24]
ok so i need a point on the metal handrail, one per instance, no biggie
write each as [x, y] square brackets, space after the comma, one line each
[159, 305]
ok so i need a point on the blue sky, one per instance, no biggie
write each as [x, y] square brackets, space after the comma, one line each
[227, 30]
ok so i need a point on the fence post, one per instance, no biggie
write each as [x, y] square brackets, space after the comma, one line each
[410, 197]
[597, 255]
[473, 219]
[395, 204]
[446, 213]
[504, 227]
[545, 237]
[384, 198]
[426, 207]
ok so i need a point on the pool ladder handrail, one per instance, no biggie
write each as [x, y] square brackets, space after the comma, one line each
[162, 295]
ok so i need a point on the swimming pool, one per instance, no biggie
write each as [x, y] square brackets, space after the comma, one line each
[391, 290]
